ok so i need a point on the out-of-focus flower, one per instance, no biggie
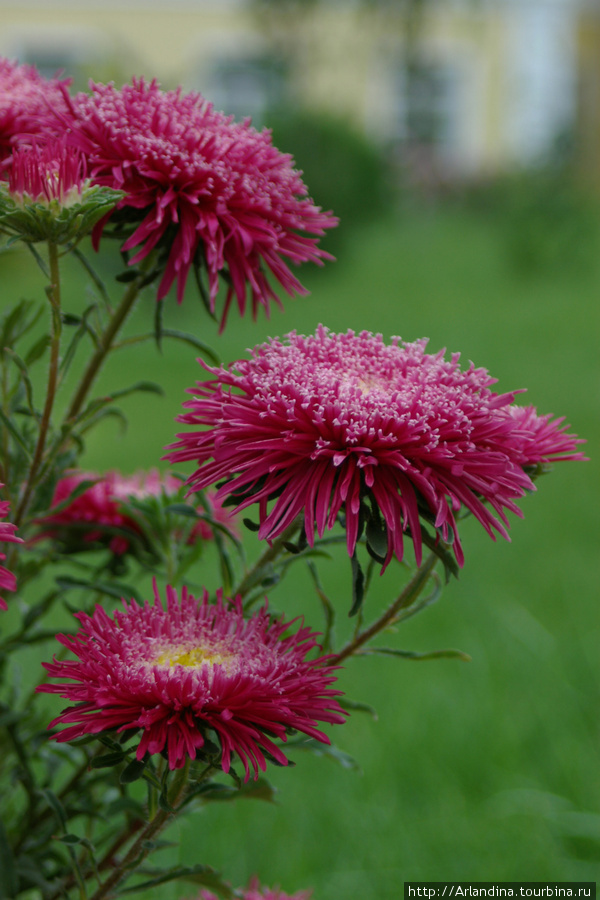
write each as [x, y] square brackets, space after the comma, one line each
[200, 187]
[255, 892]
[385, 434]
[193, 670]
[93, 515]
[26, 98]
[8, 581]
[48, 198]
[101, 512]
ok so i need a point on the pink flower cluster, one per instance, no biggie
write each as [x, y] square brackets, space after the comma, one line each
[200, 189]
[255, 892]
[94, 515]
[8, 581]
[338, 423]
[26, 99]
[172, 673]
[202, 186]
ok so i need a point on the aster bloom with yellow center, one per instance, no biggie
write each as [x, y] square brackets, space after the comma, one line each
[199, 187]
[174, 673]
[8, 582]
[387, 435]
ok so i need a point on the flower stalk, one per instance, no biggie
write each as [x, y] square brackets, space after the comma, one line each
[142, 846]
[106, 342]
[405, 599]
[53, 292]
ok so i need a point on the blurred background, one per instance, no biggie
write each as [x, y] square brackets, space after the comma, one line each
[459, 142]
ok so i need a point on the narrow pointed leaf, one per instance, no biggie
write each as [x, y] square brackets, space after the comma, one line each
[204, 872]
[413, 654]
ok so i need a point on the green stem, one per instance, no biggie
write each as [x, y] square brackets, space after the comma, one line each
[54, 297]
[252, 577]
[142, 846]
[405, 599]
[106, 342]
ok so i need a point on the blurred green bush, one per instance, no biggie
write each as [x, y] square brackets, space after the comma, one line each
[345, 171]
[548, 222]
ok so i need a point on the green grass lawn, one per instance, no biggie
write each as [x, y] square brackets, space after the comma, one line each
[485, 770]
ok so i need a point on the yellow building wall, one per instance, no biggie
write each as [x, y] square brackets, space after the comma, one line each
[341, 58]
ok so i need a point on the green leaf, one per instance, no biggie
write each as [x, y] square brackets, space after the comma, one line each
[133, 771]
[20, 363]
[41, 263]
[355, 706]
[329, 750]
[204, 294]
[70, 839]
[204, 873]
[93, 275]
[109, 588]
[250, 525]
[358, 585]
[159, 308]
[109, 412]
[148, 387]
[127, 276]
[76, 492]
[107, 760]
[215, 791]
[377, 538]
[126, 805]
[18, 321]
[9, 881]
[37, 350]
[57, 807]
[84, 328]
[193, 341]
[442, 552]
[183, 509]
[412, 654]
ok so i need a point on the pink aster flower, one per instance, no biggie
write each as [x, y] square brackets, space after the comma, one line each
[25, 101]
[255, 892]
[8, 581]
[172, 673]
[385, 434]
[200, 187]
[93, 515]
